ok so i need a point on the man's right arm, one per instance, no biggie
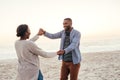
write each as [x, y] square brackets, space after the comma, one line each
[53, 36]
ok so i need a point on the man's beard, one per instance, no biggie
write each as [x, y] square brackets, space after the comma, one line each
[67, 28]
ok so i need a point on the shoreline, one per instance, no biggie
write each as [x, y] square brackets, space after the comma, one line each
[15, 56]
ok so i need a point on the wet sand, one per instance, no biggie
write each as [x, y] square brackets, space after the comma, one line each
[94, 66]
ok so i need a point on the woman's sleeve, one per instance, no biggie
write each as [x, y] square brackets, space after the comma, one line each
[34, 38]
[37, 51]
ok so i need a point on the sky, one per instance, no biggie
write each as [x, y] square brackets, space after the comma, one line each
[91, 17]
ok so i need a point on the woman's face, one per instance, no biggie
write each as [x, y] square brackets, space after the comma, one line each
[27, 34]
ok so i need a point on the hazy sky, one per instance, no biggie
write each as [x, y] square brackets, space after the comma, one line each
[91, 17]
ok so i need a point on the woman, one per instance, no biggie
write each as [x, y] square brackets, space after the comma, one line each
[28, 52]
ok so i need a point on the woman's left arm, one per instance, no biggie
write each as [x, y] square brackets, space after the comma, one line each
[37, 51]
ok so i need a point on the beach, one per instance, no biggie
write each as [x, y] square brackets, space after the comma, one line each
[94, 66]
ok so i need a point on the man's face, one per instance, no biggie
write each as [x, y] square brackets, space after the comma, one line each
[67, 24]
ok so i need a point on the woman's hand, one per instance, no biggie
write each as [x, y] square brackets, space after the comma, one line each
[60, 52]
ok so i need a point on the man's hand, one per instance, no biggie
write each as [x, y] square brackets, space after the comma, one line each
[60, 52]
[41, 32]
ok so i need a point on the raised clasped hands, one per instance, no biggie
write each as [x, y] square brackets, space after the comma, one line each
[41, 31]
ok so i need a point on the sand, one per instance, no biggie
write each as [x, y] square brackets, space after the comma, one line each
[94, 66]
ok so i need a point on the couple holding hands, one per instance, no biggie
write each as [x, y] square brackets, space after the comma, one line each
[28, 52]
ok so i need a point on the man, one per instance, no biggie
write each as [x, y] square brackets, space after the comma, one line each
[69, 51]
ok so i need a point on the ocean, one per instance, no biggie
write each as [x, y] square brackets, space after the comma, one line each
[86, 46]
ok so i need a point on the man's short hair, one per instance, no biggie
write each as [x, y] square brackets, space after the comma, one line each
[68, 19]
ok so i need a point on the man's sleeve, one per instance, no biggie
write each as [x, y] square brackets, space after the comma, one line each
[53, 36]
